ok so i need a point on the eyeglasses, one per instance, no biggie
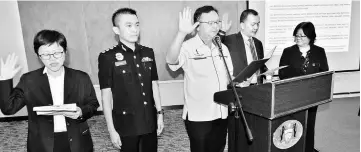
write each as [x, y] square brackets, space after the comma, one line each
[55, 55]
[211, 23]
[300, 36]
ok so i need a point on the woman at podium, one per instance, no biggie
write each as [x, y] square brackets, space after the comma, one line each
[304, 58]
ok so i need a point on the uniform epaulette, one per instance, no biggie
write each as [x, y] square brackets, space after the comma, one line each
[109, 49]
[144, 47]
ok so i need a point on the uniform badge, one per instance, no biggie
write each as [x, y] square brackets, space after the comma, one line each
[198, 55]
[147, 59]
[124, 48]
[119, 63]
[119, 56]
[287, 134]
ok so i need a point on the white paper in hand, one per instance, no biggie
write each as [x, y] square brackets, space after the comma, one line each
[269, 55]
[55, 108]
[271, 72]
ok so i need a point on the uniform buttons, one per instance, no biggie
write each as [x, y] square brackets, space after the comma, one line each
[67, 123]
[71, 139]
[145, 103]
[123, 71]
[124, 112]
[135, 57]
[139, 74]
[138, 65]
[142, 84]
[143, 94]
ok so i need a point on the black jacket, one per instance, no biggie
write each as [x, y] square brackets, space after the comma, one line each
[236, 47]
[33, 90]
[292, 57]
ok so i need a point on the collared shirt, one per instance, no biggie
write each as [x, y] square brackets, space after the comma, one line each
[248, 53]
[204, 75]
[57, 93]
[129, 74]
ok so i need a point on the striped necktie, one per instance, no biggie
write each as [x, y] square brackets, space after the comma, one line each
[254, 56]
[253, 49]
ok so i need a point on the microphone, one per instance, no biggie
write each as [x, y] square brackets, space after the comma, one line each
[236, 108]
[217, 41]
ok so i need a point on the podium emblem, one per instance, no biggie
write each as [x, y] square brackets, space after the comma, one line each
[287, 134]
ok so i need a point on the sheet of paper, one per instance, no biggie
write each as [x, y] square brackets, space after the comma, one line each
[50, 112]
[269, 55]
[54, 108]
[273, 70]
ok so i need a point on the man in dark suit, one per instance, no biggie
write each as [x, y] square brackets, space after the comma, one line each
[242, 45]
[243, 48]
[53, 84]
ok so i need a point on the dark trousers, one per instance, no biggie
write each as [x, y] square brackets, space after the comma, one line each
[207, 136]
[140, 143]
[61, 143]
[310, 135]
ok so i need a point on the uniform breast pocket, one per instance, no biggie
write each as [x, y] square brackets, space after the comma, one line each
[202, 66]
[147, 67]
[123, 119]
[125, 72]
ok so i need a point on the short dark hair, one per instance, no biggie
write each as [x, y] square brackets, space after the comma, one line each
[49, 37]
[245, 14]
[204, 9]
[122, 11]
[308, 29]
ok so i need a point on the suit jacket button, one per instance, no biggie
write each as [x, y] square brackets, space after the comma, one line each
[71, 139]
[67, 123]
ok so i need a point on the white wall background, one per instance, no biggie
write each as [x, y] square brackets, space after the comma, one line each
[11, 38]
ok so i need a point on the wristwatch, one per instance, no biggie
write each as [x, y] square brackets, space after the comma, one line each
[160, 112]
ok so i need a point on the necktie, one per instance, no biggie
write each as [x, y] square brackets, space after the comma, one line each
[253, 50]
[254, 56]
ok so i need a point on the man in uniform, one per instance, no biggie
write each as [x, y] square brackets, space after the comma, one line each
[126, 72]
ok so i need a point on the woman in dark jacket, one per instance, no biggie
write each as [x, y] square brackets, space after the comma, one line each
[53, 84]
[304, 58]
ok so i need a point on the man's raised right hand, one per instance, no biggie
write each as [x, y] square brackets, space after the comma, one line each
[185, 21]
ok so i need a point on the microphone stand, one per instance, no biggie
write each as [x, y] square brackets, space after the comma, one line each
[238, 107]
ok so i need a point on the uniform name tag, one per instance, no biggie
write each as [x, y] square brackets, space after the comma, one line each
[119, 63]
[147, 59]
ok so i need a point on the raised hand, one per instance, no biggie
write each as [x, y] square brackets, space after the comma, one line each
[226, 25]
[185, 21]
[8, 69]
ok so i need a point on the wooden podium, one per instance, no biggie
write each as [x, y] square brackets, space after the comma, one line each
[276, 112]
